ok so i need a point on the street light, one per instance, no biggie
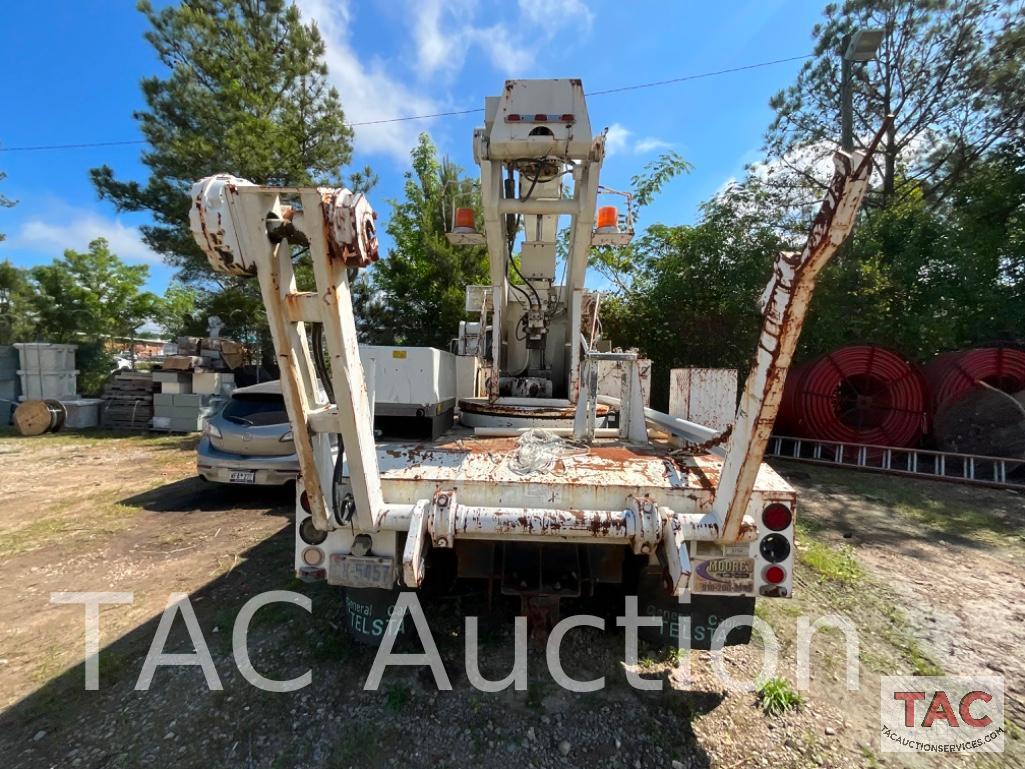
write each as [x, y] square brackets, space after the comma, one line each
[861, 46]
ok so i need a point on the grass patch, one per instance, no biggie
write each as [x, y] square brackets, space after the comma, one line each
[956, 510]
[836, 564]
[106, 518]
[50, 666]
[896, 634]
[777, 696]
[849, 588]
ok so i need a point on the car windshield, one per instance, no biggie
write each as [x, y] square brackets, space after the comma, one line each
[256, 409]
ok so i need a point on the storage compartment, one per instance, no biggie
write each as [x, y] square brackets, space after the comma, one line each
[415, 384]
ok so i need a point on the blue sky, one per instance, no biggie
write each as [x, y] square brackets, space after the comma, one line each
[393, 58]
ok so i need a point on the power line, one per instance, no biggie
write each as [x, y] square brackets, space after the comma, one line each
[698, 77]
[415, 117]
[453, 113]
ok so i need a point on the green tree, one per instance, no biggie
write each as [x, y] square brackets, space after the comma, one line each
[416, 295]
[942, 69]
[14, 319]
[89, 294]
[245, 93]
[176, 311]
[618, 263]
[693, 300]
[924, 279]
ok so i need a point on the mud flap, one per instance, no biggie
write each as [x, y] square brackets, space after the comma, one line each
[706, 613]
[367, 611]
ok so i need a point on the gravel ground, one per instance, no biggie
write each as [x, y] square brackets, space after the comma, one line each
[126, 513]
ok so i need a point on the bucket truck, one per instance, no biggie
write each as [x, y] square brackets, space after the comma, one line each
[609, 489]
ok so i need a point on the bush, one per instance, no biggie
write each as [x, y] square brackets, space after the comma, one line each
[94, 365]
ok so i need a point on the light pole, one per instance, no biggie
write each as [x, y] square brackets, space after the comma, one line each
[862, 46]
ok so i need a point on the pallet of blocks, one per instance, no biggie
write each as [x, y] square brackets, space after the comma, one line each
[128, 401]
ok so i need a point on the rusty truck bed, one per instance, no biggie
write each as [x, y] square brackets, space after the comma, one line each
[600, 476]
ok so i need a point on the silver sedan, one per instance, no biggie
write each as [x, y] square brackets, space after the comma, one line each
[250, 440]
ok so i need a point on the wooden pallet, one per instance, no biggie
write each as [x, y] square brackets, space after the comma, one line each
[128, 401]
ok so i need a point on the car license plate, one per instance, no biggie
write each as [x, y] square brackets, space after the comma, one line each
[242, 476]
[361, 571]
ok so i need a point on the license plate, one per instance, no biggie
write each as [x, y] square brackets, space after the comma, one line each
[361, 571]
[723, 575]
[242, 476]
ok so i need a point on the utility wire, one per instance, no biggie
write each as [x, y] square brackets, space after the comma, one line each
[356, 124]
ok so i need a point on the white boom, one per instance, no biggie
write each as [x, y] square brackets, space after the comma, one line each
[536, 134]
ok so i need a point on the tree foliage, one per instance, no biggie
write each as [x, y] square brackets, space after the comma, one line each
[416, 295]
[617, 263]
[89, 293]
[942, 69]
[245, 93]
[692, 300]
[923, 280]
[14, 324]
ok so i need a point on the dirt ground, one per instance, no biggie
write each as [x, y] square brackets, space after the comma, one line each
[931, 574]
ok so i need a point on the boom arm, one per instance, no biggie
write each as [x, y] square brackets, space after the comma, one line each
[246, 229]
[786, 301]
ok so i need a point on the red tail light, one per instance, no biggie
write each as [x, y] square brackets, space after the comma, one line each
[777, 517]
[540, 117]
[512, 118]
[774, 575]
[304, 502]
[567, 118]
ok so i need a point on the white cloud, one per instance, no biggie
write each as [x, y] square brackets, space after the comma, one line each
[508, 55]
[617, 139]
[620, 139]
[437, 48]
[444, 31]
[367, 90]
[650, 144]
[75, 228]
[553, 14]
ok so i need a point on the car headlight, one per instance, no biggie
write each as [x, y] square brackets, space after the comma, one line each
[287, 437]
[211, 430]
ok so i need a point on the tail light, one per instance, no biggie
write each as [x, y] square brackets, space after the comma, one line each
[304, 502]
[775, 575]
[774, 548]
[313, 556]
[310, 534]
[777, 517]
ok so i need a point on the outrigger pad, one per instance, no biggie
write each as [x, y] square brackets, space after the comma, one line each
[706, 613]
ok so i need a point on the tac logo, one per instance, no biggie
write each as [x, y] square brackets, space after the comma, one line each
[942, 714]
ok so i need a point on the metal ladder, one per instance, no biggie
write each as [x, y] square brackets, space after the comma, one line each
[974, 469]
